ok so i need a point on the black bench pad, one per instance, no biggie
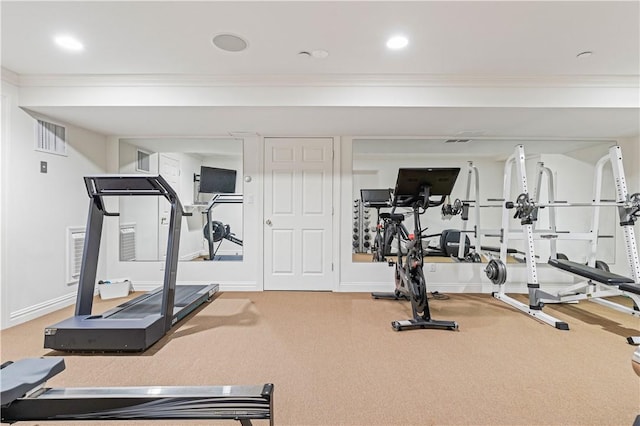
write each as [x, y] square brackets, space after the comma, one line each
[20, 377]
[631, 288]
[604, 277]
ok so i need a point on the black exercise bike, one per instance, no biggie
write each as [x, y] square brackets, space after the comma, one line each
[414, 188]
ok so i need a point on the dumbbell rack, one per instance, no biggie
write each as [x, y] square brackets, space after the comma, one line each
[362, 239]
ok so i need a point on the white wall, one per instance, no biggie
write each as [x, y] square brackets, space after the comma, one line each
[37, 210]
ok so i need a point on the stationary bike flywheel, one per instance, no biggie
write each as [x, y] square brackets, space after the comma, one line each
[219, 231]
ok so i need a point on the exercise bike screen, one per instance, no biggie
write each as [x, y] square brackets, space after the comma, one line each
[439, 180]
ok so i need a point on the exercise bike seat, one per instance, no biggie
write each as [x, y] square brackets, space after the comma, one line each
[20, 377]
[394, 217]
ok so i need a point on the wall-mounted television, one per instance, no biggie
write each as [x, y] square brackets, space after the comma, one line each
[215, 181]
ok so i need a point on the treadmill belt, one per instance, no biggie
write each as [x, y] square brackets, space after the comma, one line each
[185, 294]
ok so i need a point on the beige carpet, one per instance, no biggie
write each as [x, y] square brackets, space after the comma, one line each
[335, 360]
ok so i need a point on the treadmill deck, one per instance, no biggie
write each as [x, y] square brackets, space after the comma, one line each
[132, 326]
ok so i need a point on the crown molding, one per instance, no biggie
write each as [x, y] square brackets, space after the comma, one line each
[9, 76]
[328, 80]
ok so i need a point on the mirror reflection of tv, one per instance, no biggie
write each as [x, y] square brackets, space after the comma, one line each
[217, 181]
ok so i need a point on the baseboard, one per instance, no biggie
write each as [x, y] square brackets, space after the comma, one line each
[40, 309]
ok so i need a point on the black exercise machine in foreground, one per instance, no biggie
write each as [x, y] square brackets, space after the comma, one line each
[414, 188]
[24, 398]
[138, 323]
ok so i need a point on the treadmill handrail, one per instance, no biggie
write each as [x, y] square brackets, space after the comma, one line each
[121, 185]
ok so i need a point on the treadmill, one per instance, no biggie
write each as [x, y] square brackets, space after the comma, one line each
[140, 322]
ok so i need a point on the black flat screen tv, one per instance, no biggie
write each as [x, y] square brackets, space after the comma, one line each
[217, 181]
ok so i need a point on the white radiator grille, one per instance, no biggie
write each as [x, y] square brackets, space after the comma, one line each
[127, 243]
[51, 138]
[75, 248]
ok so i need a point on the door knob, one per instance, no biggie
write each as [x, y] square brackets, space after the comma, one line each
[268, 222]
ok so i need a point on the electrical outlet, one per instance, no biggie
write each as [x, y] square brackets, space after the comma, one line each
[432, 267]
[43, 167]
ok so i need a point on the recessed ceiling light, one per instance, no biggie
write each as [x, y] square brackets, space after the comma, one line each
[229, 42]
[584, 54]
[397, 42]
[69, 43]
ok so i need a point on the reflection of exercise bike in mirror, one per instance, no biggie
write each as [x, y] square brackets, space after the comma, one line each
[385, 228]
[215, 231]
[414, 188]
[393, 228]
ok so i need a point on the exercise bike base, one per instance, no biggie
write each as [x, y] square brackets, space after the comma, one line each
[422, 323]
[392, 296]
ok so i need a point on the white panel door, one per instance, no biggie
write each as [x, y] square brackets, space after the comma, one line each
[169, 169]
[298, 203]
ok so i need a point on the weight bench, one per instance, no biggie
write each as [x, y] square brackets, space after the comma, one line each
[598, 275]
[24, 398]
[624, 284]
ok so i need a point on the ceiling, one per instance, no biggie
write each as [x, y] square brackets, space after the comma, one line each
[479, 39]
[505, 38]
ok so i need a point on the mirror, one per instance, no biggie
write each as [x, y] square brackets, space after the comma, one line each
[375, 169]
[207, 175]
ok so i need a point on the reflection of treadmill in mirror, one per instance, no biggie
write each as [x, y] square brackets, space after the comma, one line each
[138, 323]
[221, 183]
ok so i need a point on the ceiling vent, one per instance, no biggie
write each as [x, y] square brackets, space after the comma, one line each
[457, 140]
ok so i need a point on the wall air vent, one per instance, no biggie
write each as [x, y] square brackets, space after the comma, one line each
[457, 140]
[51, 138]
[127, 242]
[75, 249]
